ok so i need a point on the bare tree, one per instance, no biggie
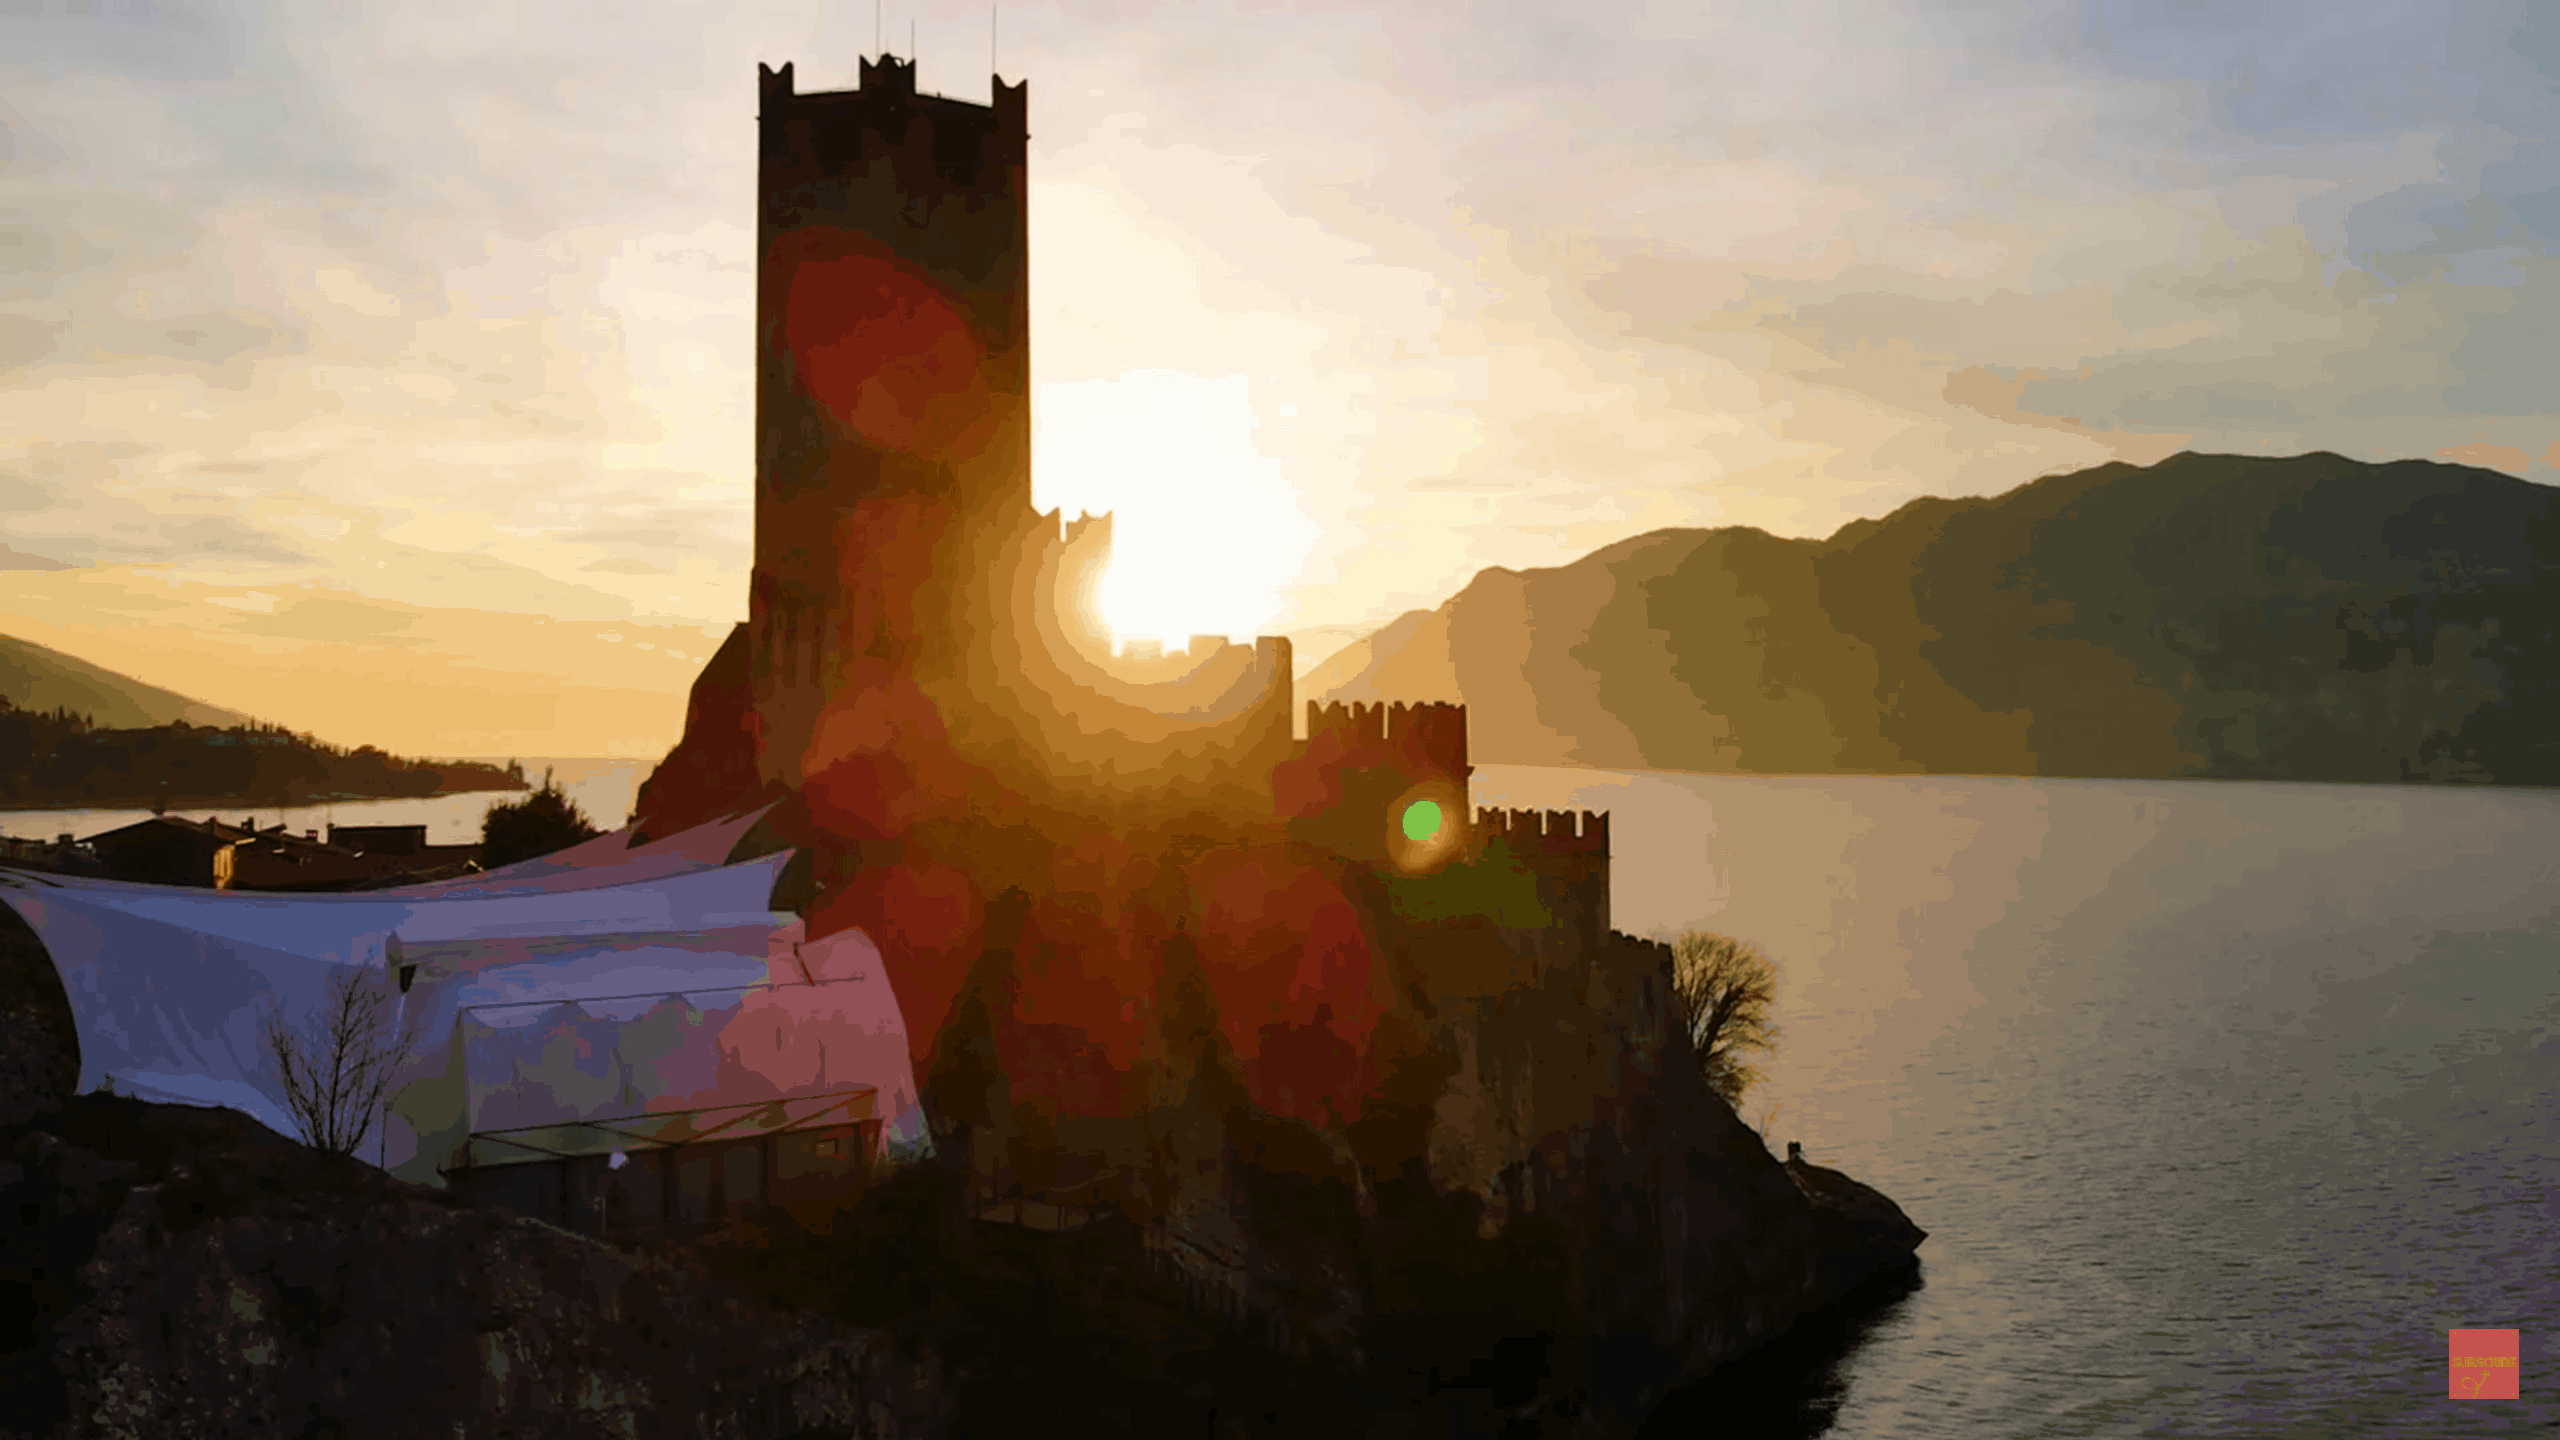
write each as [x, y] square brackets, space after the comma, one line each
[1726, 987]
[337, 1076]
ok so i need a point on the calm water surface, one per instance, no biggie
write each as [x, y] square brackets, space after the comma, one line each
[604, 789]
[2221, 1102]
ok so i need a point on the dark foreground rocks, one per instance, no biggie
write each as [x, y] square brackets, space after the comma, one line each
[39, 1051]
[170, 1271]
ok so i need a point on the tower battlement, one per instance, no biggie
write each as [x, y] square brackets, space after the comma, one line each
[1547, 832]
[890, 78]
[1425, 738]
[889, 75]
[1087, 528]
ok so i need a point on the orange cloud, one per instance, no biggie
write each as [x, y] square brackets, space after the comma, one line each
[2496, 457]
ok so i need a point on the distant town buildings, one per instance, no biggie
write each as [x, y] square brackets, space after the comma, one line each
[171, 850]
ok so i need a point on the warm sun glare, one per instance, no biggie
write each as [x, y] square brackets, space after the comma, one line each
[1206, 536]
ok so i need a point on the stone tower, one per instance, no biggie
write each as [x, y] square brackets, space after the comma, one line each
[893, 415]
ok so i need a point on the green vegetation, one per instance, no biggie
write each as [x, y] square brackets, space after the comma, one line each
[33, 677]
[540, 824]
[1726, 988]
[60, 757]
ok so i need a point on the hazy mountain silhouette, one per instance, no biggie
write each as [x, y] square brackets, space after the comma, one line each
[35, 678]
[2308, 618]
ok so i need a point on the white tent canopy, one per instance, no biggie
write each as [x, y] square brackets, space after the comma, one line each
[611, 982]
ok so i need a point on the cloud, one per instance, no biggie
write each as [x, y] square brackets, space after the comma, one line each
[12, 558]
[402, 298]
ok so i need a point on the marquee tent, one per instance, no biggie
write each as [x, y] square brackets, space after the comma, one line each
[603, 983]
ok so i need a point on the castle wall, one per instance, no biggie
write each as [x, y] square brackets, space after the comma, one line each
[1347, 787]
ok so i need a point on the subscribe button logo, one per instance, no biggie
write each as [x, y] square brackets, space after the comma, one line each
[2483, 1364]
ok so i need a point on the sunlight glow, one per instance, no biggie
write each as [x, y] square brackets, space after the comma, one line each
[1206, 534]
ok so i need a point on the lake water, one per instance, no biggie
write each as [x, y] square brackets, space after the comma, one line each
[604, 789]
[2221, 1102]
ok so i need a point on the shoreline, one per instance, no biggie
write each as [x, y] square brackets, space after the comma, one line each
[234, 802]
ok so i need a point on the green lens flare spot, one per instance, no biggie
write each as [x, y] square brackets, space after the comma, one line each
[1421, 820]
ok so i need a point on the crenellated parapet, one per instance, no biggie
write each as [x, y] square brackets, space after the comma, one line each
[1547, 832]
[1425, 739]
[1087, 530]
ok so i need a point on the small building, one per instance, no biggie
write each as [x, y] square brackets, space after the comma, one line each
[214, 854]
[61, 853]
[277, 861]
[167, 850]
[380, 839]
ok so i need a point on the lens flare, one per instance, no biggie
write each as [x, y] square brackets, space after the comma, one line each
[1421, 820]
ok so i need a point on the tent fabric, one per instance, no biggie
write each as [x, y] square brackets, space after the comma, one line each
[339, 926]
[657, 985]
[605, 860]
[643, 1026]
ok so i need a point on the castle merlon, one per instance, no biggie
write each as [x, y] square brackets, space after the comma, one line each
[1547, 832]
[890, 79]
[1430, 737]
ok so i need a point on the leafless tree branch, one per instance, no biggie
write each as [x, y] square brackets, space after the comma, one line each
[1726, 989]
[337, 1076]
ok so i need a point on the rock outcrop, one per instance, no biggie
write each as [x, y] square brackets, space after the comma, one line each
[712, 770]
[188, 1272]
[39, 1046]
[1863, 1234]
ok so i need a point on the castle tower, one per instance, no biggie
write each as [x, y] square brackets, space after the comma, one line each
[893, 416]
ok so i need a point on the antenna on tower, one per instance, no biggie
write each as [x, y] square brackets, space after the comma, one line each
[911, 39]
[875, 24]
[991, 39]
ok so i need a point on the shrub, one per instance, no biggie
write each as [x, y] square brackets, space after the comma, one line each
[541, 823]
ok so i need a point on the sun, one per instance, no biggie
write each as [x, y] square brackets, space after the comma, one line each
[1206, 534]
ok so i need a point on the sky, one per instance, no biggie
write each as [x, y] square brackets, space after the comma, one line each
[385, 370]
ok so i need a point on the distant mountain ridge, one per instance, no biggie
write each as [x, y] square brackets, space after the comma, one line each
[35, 678]
[2303, 618]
